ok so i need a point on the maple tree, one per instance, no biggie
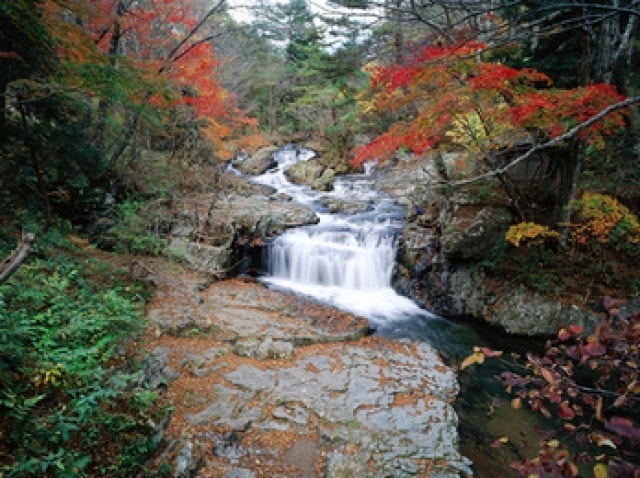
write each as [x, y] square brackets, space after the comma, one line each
[481, 105]
[122, 73]
[447, 97]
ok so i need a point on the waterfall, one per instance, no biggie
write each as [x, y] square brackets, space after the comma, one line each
[346, 259]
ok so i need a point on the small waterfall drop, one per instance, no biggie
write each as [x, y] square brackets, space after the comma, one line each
[346, 260]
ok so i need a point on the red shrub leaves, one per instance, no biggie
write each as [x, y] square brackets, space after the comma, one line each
[443, 90]
[591, 383]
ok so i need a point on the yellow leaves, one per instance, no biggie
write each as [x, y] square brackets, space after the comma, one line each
[600, 470]
[468, 130]
[50, 377]
[476, 357]
[600, 217]
[530, 233]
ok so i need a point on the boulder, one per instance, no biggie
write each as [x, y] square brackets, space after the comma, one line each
[257, 163]
[305, 172]
[325, 181]
[473, 231]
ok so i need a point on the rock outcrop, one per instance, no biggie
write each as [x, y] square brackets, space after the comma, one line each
[269, 384]
[447, 236]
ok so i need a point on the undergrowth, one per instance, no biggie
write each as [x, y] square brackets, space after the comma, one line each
[69, 404]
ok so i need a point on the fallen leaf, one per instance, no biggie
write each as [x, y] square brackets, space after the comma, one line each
[600, 470]
[476, 357]
[565, 411]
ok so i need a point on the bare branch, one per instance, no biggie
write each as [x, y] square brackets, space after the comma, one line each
[548, 144]
[171, 56]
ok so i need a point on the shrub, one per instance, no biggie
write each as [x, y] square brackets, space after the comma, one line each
[67, 401]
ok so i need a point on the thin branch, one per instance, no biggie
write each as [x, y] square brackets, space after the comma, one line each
[548, 144]
[170, 57]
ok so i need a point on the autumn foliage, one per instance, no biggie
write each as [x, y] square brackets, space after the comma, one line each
[157, 55]
[590, 382]
[448, 96]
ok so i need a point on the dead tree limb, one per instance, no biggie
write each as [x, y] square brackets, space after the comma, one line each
[17, 257]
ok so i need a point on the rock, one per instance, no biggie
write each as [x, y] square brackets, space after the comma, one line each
[240, 473]
[325, 181]
[187, 463]
[526, 313]
[305, 172]
[473, 231]
[460, 289]
[181, 326]
[335, 205]
[308, 395]
[206, 258]
[390, 402]
[257, 163]
[269, 349]
[340, 465]
[156, 370]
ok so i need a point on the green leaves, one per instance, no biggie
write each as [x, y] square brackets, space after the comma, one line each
[60, 328]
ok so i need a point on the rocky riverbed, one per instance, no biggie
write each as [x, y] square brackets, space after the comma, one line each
[265, 383]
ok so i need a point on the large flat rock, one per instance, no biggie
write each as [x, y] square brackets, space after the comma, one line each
[269, 384]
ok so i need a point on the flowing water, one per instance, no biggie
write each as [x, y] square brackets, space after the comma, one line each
[347, 260]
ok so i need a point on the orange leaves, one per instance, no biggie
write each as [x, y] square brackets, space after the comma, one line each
[502, 102]
[602, 219]
[478, 356]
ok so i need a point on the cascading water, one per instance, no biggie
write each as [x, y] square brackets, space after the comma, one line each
[345, 259]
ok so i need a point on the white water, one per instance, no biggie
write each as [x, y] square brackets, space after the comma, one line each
[344, 260]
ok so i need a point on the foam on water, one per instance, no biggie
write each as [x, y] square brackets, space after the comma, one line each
[344, 260]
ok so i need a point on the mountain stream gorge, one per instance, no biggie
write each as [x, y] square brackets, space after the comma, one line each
[347, 260]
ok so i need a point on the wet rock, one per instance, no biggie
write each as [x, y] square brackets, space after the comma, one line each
[305, 172]
[257, 163]
[325, 181]
[335, 205]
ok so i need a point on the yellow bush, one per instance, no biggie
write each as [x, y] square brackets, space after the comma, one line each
[604, 219]
[530, 233]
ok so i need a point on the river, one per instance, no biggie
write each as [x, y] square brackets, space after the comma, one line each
[348, 259]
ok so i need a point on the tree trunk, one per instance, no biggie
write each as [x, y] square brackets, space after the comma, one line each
[570, 169]
[38, 167]
[103, 106]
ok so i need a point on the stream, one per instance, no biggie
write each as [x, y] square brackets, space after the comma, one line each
[347, 260]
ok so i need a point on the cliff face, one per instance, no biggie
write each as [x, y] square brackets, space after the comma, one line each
[448, 239]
